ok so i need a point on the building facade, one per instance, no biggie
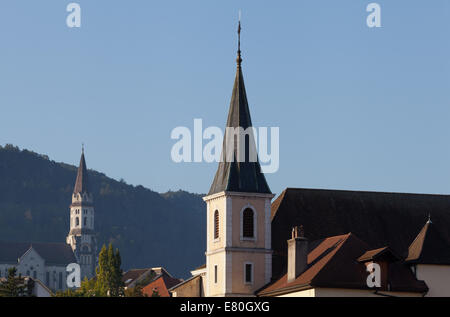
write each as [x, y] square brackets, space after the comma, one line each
[45, 262]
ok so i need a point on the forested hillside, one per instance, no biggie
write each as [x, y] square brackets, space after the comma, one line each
[149, 228]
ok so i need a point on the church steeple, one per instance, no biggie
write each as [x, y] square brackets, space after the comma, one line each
[81, 236]
[233, 175]
[238, 233]
[82, 182]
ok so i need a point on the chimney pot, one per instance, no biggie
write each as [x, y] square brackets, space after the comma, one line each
[297, 253]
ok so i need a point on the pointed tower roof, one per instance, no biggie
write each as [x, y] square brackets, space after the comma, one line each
[237, 176]
[429, 247]
[82, 182]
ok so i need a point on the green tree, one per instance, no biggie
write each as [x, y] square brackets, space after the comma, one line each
[108, 280]
[103, 273]
[109, 274]
[15, 286]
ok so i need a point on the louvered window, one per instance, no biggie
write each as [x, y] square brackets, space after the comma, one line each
[216, 224]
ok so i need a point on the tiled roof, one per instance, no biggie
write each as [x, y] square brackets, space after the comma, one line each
[133, 274]
[380, 219]
[384, 252]
[332, 264]
[52, 253]
[162, 283]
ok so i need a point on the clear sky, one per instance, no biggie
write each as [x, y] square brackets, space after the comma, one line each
[358, 108]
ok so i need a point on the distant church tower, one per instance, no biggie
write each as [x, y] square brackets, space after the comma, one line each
[238, 252]
[81, 236]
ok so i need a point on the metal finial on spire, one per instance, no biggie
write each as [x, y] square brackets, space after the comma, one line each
[82, 148]
[429, 218]
[239, 59]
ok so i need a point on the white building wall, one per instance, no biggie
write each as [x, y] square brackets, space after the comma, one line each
[437, 277]
[31, 264]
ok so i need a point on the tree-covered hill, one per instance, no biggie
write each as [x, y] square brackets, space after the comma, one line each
[151, 229]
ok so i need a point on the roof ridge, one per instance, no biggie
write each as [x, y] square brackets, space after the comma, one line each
[365, 191]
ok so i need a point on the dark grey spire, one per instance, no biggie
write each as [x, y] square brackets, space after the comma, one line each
[237, 176]
[82, 182]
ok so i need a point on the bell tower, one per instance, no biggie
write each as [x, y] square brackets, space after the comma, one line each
[82, 236]
[238, 251]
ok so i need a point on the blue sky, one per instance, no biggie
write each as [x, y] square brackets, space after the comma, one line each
[358, 108]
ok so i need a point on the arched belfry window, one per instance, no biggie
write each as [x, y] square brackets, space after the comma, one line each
[216, 224]
[248, 220]
[77, 221]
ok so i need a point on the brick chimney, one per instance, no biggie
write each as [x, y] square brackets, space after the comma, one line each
[297, 253]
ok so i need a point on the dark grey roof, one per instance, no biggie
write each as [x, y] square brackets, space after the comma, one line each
[237, 176]
[10, 252]
[82, 182]
[380, 219]
[52, 253]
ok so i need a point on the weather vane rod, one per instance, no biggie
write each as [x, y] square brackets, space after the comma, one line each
[239, 59]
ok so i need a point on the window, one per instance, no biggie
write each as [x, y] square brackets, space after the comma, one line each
[215, 274]
[34, 274]
[85, 221]
[248, 224]
[216, 224]
[60, 280]
[28, 272]
[47, 278]
[248, 273]
[77, 221]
